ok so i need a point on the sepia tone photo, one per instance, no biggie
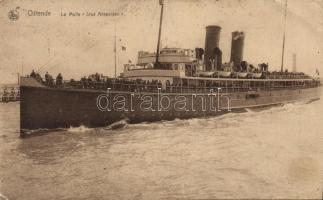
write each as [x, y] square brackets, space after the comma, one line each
[161, 99]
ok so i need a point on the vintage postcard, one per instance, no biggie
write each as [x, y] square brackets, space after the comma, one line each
[161, 99]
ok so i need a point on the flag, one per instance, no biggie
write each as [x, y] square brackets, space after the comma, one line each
[123, 48]
[161, 2]
[317, 72]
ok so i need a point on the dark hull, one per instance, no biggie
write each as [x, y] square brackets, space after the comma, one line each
[53, 108]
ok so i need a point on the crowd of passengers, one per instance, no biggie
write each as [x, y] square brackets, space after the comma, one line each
[116, 84]
[96, 81]
[287, 74]
[48, 80]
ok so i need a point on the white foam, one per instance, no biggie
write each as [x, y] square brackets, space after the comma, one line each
[81, 128]
[118, 124]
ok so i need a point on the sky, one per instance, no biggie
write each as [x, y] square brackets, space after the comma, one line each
[81, 45]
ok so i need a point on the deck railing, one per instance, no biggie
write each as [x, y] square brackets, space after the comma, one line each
[228, 87]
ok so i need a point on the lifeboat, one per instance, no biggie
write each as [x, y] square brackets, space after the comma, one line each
[206, 74]
[241, 74]
[255, 75]
[224, 74]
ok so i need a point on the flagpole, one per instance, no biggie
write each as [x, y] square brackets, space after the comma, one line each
[115, 50]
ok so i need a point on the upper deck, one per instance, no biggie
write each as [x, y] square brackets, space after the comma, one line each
[179, 85]
[167, 55]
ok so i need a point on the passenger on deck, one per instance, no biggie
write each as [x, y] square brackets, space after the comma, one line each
[38, 78]
[50, 80]
[97, 77]
[33, 74]
[59, 80]
[47, 78]
[84, 82]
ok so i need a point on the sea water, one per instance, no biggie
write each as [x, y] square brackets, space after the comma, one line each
[275, 152]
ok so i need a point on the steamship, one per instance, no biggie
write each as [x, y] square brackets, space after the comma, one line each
[171, 83]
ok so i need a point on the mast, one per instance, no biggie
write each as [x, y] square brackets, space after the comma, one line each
[282, 63]
[161, 2]
[115, 50]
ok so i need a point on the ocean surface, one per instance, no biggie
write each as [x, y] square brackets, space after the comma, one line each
[275, 152]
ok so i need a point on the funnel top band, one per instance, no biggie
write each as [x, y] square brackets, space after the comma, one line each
[214, 27]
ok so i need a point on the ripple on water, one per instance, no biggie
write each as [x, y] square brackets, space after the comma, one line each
[266, 153]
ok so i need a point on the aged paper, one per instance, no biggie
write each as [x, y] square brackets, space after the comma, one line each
[90, 111]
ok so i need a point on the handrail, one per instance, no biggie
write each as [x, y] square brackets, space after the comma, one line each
[227, 85]
[140, 87]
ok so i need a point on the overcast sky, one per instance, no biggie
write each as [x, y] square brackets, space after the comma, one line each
[78, 46]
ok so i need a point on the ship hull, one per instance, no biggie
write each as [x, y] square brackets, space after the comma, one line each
[53, 108]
